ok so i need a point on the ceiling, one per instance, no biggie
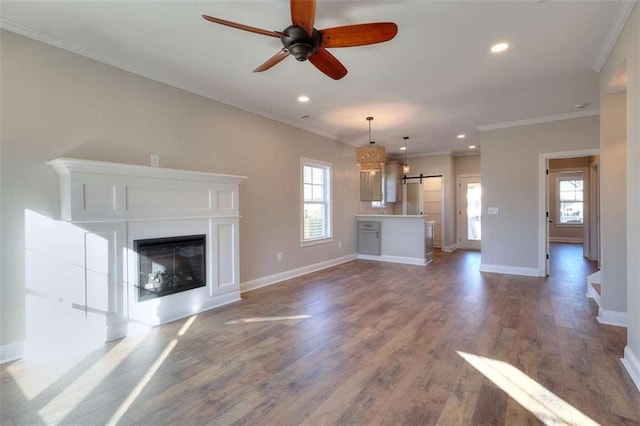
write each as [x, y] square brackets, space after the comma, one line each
[436, 79]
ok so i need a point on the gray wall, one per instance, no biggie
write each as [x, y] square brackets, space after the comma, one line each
[509, 167]
[55, 103]
[626, 53]
[613, 142]
[467, 164]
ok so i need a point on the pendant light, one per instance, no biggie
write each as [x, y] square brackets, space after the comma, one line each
[405, 167]
[370, 158]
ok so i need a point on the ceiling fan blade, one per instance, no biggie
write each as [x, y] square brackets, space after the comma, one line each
[243, 27]
[359, 34]
[328, 64]
[275, 59]
[303, 14]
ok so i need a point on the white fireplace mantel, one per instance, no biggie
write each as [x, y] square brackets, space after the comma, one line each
[99, 191]
[113, 205]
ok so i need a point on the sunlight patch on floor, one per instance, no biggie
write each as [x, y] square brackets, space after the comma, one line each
[59, 407]
[541, 402]
[144, 381]
[265, 319]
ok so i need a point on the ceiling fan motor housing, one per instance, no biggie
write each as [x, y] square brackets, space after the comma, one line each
[298, 42]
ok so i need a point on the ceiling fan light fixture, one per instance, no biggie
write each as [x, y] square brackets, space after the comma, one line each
[370, 158]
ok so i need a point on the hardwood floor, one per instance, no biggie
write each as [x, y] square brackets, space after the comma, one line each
[360, 343]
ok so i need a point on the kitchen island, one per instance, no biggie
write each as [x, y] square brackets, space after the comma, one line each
[401, 238]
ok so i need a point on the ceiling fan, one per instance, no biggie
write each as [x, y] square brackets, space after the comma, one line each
[304, 42]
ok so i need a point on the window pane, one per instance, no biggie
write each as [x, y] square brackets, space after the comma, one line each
[318, 176]
[308, 192]
[474, 207]
[571, 196]
[318, 193]
[314, 222]
[316, 204]
[307, 174]
[571, 212]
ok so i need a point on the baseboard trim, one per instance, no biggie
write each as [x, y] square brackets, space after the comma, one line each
[449, 249]
[509, 270]
[11, 352]
[615, 318]
[591, 291]
[593, 294]
[394, 259]
[632, 365]
[566, 240]
[287, 275]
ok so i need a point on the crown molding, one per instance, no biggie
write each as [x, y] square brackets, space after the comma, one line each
[539, 120]
[624, 11]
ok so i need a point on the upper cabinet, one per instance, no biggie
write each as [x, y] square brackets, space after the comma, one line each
[371, 186]
[393, 183]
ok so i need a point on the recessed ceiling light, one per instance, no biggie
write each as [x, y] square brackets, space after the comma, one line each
[403, 148]
[462, 136]
[472, 147]
[499, 47]
[303, 98]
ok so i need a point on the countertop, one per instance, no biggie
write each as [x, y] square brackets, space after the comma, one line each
[399, 216]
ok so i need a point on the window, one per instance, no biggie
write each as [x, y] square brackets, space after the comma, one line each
[571, 201]
[316, 202]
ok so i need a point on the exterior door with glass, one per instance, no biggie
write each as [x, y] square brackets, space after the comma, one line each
[469, 209]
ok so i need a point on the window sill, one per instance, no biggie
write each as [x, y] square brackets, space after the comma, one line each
[569, 225]
[315, 242]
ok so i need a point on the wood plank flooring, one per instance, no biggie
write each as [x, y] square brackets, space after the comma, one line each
[360, 343]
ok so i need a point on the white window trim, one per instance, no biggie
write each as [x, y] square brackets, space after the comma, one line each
[329, 238]
[579, 175]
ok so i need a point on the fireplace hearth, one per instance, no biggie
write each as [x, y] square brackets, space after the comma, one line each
[170, 265]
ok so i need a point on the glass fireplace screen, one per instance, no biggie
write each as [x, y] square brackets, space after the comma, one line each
[170, 265]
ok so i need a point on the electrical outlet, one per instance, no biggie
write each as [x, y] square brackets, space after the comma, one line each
[155, 160]
[493, 210]
[279, 256]
[339, 244]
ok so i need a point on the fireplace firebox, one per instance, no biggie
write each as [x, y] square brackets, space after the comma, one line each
[170, 265]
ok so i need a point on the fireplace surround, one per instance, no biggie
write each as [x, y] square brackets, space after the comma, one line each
[137, 209]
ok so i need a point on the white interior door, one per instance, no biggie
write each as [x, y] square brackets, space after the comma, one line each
[432, 205]
[469, 212]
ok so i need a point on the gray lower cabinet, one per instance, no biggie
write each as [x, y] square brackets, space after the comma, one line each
[428, 242]
[369, 237]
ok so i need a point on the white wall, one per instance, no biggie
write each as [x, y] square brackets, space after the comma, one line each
[55, 103]
[509, 168]
[627, 51]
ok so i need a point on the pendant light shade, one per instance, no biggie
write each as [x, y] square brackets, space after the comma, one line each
[370, 158]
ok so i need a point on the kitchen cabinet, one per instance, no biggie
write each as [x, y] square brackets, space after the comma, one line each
[371, 186]
[428, 241]
[369, 238]
[393, 183]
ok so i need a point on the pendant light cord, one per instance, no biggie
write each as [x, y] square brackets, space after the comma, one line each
[369, 120]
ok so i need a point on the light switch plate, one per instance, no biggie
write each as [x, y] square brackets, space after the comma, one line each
[493, 210]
